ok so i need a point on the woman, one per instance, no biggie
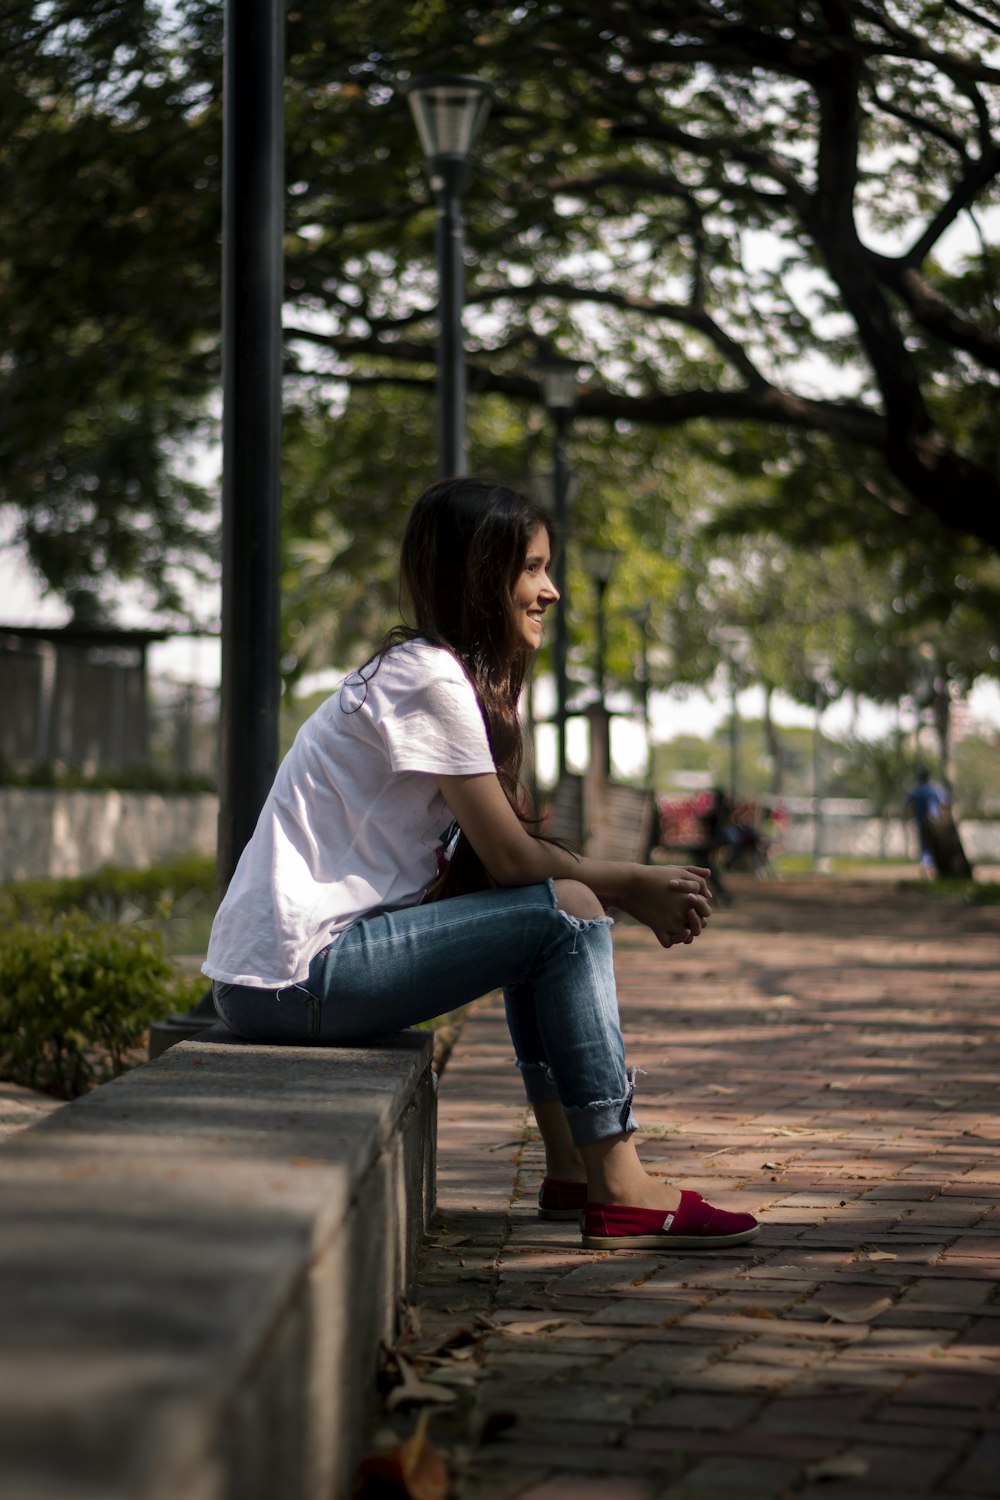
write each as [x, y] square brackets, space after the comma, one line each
[358, 908]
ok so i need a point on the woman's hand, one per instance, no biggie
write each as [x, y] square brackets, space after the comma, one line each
[673, 901]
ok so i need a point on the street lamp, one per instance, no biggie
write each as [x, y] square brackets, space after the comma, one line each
[819, 665]
[735, 643]
[449, 113]
[600, 564]
[641, 616]
[558, 378]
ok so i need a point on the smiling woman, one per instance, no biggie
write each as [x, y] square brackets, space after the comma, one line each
[394, 874]
[534, 590]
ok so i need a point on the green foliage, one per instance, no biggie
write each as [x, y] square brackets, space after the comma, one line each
[125, 779]
[113, 894]
[77, 996]
[881, 770]
[109, 296]
[667, 190]
[969, 892]
[977, 775]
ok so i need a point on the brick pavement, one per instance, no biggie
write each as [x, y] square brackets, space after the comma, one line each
[826, 1056]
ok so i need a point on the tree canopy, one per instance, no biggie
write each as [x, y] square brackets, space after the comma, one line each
[737, 210]
[732, 209]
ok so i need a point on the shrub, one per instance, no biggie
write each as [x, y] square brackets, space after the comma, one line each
[77, 996]
[113, 894]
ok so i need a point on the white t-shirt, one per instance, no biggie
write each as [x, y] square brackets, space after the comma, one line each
[354, 819]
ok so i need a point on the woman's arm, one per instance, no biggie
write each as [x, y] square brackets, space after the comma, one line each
[674, 903]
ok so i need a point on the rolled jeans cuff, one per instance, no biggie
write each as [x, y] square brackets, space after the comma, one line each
[589, 1122]
[539, 1082]
[601, 1121]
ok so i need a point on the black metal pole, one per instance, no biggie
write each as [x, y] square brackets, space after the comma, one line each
[734, 735]
[560, 645]
[602, 655]
[818, 780]
[252, 276]
[252, 227]
[451, 297]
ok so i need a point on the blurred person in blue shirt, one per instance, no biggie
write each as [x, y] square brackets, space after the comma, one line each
[925, 801]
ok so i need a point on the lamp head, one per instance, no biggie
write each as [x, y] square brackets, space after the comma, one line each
[449, 113]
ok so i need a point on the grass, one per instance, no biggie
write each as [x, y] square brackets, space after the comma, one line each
[970, 892]
[803, 864]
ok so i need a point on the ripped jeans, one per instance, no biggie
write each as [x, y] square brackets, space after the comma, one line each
[389, 971]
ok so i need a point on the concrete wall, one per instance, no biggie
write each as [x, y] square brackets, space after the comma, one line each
[848, 829]
[197, 1265]
[57, 834]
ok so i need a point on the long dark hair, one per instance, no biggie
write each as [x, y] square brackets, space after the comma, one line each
[464, 547]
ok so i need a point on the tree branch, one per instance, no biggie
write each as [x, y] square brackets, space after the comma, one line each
[979, 176]
[769, 163]
[917, 50]
[934, 314]
[974, 15]
[696, 318]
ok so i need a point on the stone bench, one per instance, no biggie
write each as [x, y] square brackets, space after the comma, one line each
[198, 1262]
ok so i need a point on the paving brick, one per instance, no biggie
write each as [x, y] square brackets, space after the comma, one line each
[716, 1376]
[716, 1478]
[586, 1486]
[694, 1411]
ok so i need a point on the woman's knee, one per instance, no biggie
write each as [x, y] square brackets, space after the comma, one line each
[577, 899]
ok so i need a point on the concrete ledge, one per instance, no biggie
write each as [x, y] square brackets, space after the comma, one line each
[197, 1264]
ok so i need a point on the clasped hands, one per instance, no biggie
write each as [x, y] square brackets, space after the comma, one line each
[673, 901]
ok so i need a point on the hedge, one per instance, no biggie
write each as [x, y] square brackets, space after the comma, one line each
[77, 996]
[113, 894]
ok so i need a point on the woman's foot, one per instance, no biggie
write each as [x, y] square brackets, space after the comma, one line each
[692, 1225]
[561, 1199]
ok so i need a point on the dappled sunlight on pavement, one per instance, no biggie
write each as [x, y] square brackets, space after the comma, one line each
[826, 1056]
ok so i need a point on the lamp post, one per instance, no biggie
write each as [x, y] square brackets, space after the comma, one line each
[735, 643]
[600, 564]
[558, 378]
[252, 275]
[819, 664]
[641, 616]
[449, 113]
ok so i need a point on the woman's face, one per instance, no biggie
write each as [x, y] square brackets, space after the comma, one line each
[533, 592]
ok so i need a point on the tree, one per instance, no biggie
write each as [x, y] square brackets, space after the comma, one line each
[717, 201]
[109, 182]
[702, 197]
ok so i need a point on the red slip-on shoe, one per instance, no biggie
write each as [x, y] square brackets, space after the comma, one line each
[561, 1200]
[693, 1225]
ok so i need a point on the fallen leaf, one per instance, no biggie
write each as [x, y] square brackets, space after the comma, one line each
[719, 1088]
[857, 1314]
[449, 1376]
[413, 1391]
[414, 1471]
[543, 1325]
[876, 1255]
[769, 1166]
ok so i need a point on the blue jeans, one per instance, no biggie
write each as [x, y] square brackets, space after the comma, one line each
[394, 969]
